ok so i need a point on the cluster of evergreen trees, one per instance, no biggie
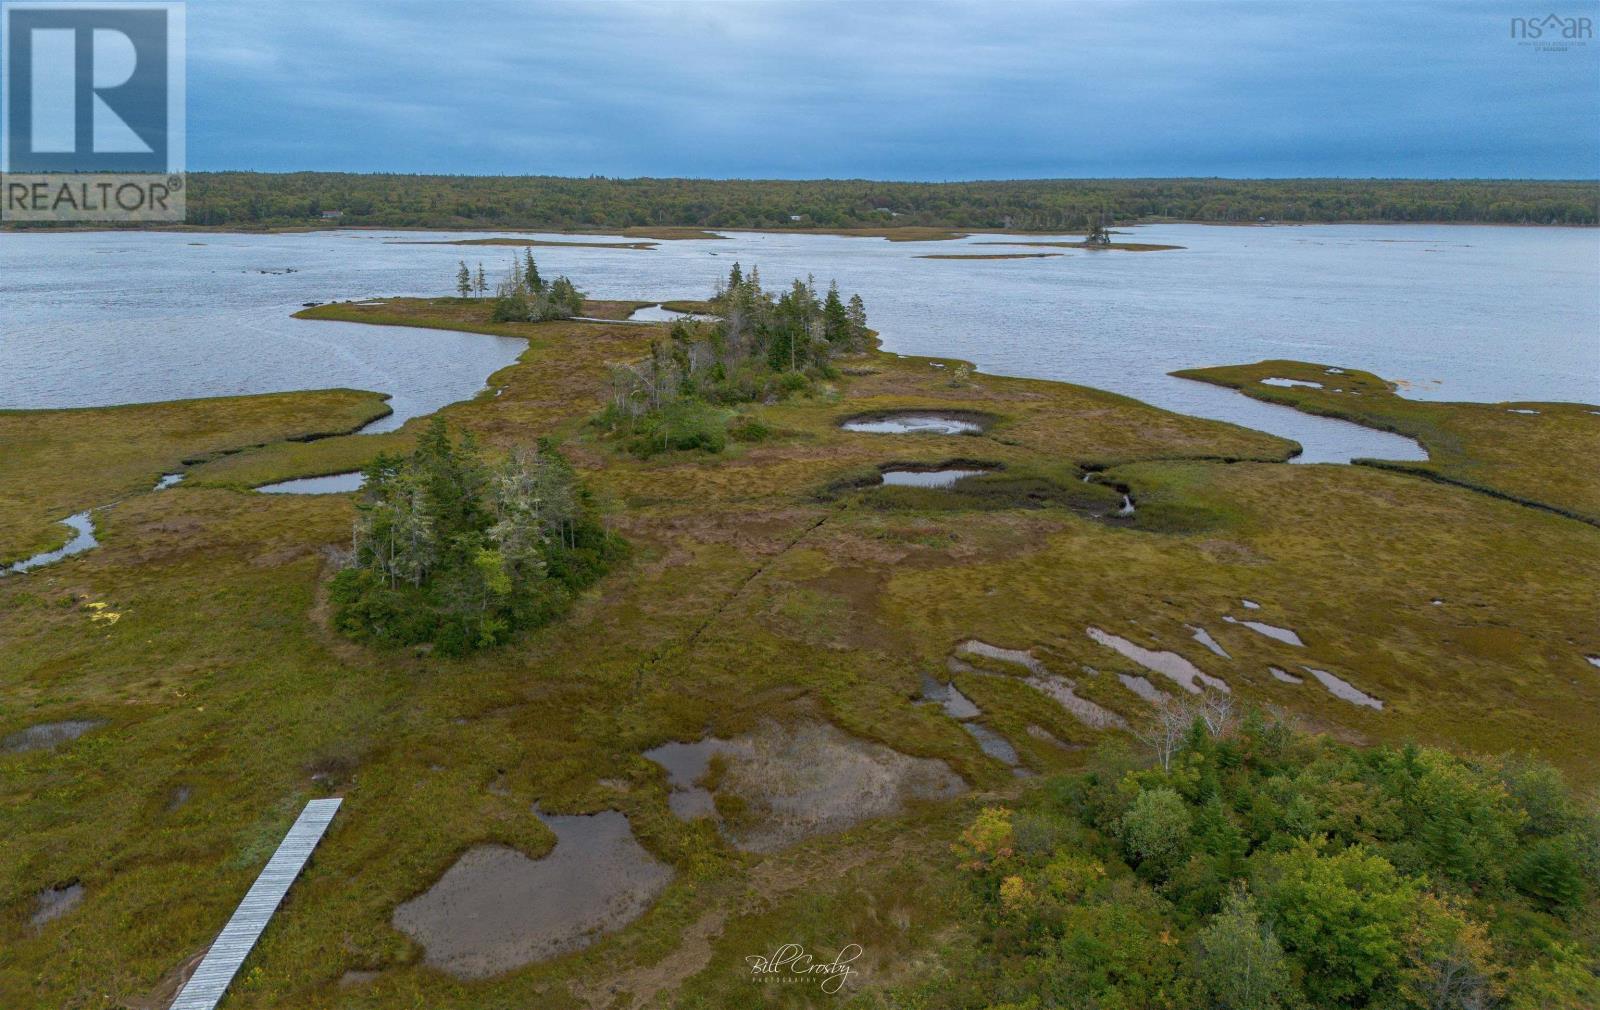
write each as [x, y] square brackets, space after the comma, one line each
[1265, 869]
[523, 296]
[244, 199]
[451, 550]
[758, 347]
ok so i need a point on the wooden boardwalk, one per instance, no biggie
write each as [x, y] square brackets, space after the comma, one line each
[210, 980]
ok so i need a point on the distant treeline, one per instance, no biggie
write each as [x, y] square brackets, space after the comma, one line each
[538, 202]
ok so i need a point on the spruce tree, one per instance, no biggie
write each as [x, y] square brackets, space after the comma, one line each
[530, 271]
[464, 280]
[835, 317]
[857, 313]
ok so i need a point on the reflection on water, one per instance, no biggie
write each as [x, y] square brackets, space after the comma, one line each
[913, 424]
[1461, 312]
[661, 314]
[1169, 664]
[337, 483]
[1285, 635]
[84, 539]
[495, 909]
[1344, 690]
[906, 477]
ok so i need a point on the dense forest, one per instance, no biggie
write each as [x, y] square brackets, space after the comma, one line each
[244, 199]
[1243, 865]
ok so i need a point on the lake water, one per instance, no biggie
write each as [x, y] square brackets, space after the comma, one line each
[1472, 313]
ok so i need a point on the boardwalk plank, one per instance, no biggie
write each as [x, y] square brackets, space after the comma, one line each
[210, 980]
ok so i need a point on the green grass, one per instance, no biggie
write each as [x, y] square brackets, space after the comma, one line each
[746, 598]
[1544, 459]
[57, 462]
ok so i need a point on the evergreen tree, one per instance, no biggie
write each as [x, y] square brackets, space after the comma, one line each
[530, 271]
[564, 299]
[463, 280]
[450, 550]
[482, 283]
[857, 314]
[836, 318]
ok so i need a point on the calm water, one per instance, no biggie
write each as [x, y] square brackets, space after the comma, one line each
[337, 483]
[1453, 312]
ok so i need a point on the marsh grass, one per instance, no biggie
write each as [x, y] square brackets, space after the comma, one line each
[746, 599]
[1544, 458]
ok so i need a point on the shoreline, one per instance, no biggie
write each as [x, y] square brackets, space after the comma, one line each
[660, 234]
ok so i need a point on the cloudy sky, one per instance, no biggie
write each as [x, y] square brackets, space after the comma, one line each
[889, 90]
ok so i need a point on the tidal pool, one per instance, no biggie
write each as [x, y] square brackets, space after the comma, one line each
[811, 778]
[1203, 636]
[993, 744]
[662, 314]
[914, 477]
[1290, 382]
[686, 764]
[495, 909]
[1059, 689]
[1064, 692]
[1284, 635]
[338, 483]
[83, 524]
[1169, 664]
[1142, 687]
[962, 709]
[948, 697]
[1021, 657]
[913, 423]
[1285, 676]
[1343, 689]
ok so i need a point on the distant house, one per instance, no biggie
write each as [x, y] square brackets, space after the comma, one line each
[332, 215]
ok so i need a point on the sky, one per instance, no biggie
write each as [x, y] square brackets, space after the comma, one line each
[916, 91]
